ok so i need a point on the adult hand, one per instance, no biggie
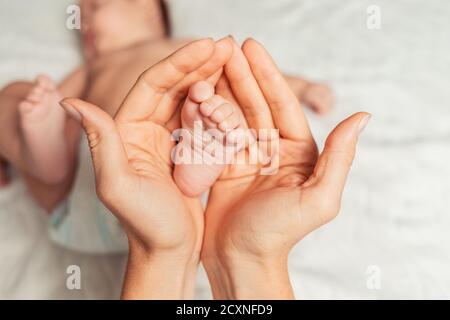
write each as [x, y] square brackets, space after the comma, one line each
[253, 220]
[133, 169]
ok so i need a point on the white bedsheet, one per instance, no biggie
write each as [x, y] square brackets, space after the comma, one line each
[395, 212]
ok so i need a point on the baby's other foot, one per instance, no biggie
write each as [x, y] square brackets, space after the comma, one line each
[318, 97]
[203, 114]
[42, 122]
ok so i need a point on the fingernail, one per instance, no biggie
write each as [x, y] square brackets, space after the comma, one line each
[363, 123]
[232, 38]
[71, 111]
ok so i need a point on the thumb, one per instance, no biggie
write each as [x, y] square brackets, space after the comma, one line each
[108, 155]
[334, 163]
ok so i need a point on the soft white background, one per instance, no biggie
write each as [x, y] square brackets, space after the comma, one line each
[396, 208]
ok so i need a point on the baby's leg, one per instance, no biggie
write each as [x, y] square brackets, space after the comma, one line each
[10, 141]
[205, 111]
[42, 126]
[13, 147]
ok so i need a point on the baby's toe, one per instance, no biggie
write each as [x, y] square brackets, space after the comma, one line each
[231, 122]
[210, 105]
[209, 124]
[25, 107]
[239, 138]
[44, 81]
[222, 112]
[36, 95]
[201, 91]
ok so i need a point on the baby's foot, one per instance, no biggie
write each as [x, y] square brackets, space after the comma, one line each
[203, 110]
[43, 122]
[318, 97]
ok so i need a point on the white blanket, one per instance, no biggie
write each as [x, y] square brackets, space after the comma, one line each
[395, 214]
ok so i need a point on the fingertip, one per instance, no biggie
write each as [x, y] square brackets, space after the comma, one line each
[206, 40]
[357, 119]
[252, 49]
[250, 43]
[71, 109]
[364, 120]
[231, 37]
[225, 46]
[364, 114]
[346, 132]
[74, 102]
[225, 41]
[83, 111]
[207, 44]
[201, 49]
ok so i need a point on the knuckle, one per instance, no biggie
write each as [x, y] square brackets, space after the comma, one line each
[94, 139]
[328, 209]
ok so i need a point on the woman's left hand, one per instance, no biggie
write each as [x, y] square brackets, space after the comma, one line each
[133, 169]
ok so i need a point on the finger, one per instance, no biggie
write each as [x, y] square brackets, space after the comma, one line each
[334, 163]
[175, 121]
[108, 155]
[222, 50]
[215, 77]
[284, 105]
[211, 70]
[223, 89]
[247, 92]
[143, 99]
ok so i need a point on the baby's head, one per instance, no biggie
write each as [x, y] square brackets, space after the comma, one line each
[109, 25]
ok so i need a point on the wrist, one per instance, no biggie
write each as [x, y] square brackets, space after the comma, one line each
[247, 277]
[158, 274]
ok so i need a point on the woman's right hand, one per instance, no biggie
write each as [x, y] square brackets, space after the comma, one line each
[256, 215]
